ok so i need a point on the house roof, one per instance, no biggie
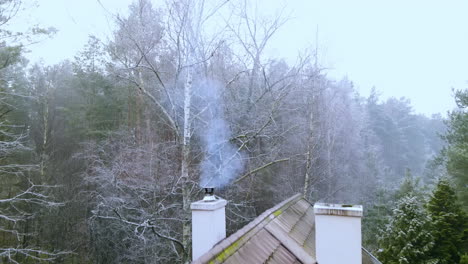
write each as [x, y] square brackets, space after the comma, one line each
[283, 234]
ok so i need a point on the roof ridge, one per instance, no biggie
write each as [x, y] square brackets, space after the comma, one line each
[289, 243]
[232, 239]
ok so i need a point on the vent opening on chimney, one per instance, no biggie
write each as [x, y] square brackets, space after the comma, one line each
[209, 195]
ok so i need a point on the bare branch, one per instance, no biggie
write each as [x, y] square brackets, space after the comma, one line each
[259, 169]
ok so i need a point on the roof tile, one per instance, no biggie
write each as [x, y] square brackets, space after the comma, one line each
[283, 234]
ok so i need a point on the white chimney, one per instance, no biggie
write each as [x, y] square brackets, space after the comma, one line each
[208, 225]
[338, 233]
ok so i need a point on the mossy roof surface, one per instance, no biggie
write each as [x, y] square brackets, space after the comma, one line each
[283, 234]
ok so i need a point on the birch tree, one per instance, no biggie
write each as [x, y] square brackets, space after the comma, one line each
[159, 58]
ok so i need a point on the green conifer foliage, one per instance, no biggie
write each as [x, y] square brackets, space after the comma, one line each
[457, 151]
[406, 240]
[409, 187]
[448, 222]
[376, 218]
[464, 259]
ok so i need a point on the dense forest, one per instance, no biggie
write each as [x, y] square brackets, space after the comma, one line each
[102, 155]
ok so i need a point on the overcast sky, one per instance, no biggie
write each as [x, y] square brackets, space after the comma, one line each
[417, 49]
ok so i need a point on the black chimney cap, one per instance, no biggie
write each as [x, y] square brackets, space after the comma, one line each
[209, 191]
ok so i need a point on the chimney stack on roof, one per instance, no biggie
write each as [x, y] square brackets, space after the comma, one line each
[338, 233]
[208, 223]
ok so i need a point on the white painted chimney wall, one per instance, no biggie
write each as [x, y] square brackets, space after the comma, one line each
[208, 225]
[338, 233]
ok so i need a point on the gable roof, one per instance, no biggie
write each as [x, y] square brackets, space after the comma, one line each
[283, 234]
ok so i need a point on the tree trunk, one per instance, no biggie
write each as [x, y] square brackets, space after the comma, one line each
[186, 233]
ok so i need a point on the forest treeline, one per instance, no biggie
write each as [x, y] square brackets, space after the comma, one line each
[100, 155]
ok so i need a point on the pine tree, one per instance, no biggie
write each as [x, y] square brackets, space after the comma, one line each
[409, 187]
[464, 259]
[449, 222]
[376, 218]
[406, 240]
[457, 149]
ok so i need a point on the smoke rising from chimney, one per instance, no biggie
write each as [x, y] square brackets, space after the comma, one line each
[222, 161]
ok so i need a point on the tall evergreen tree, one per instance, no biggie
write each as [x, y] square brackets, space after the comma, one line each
[457, 151]
[406, 240]
[410, 186]
[377, 217]
[449, 222]
[464, 259]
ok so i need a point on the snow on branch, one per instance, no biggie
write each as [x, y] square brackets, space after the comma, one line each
[36, 254]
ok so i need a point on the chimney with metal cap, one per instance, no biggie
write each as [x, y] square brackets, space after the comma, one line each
[338, 233]
[208, 223]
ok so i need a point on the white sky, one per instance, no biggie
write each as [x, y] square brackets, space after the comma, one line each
[417, 49]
